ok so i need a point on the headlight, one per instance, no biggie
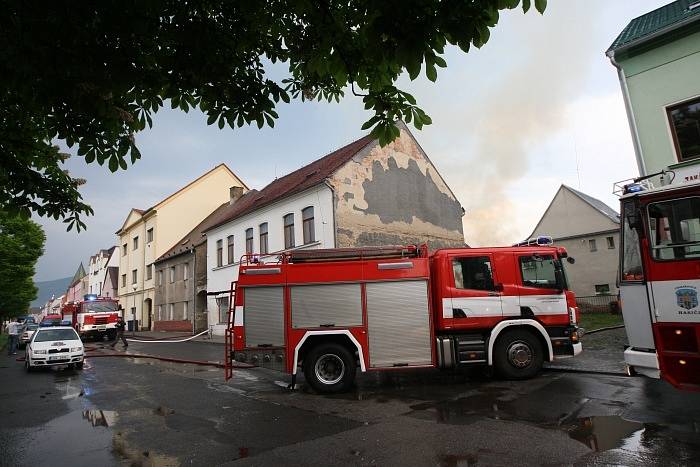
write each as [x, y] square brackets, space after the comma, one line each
[40, 351]
[76, 349]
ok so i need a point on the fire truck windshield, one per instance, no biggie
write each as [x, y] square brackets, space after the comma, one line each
[675, 229]
[99, 307]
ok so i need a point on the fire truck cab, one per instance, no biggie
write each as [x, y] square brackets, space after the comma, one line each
[660, 276]
[94, 316]
[329, 312]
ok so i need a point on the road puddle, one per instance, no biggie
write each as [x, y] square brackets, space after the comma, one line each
[608, 432]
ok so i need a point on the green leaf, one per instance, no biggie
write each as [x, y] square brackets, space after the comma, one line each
[526, 6]
[431, 72]
[541, 5]
[222, 122]
[123, 164]
[212, 118]
[368, 124]
[113, 163]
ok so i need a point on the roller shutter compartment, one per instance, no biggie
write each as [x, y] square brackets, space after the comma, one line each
[263, 315]
[327, 305]
[398, 324]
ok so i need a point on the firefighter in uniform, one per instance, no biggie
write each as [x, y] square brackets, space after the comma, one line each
[120, 333]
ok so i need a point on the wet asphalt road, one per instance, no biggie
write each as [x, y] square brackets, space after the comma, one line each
[125, 411]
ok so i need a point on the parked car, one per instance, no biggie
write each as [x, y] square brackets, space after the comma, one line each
[56, 345]
[51, 320]
[27, 333]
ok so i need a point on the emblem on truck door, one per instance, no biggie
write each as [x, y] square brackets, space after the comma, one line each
[687, 297]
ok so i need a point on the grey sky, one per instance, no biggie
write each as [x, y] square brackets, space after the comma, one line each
[510, 123]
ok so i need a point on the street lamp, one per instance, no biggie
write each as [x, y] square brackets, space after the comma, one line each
[133, 317]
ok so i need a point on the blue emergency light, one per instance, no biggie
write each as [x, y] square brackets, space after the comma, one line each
[90, 297]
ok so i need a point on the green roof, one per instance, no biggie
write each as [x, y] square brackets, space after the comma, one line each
[668, 16]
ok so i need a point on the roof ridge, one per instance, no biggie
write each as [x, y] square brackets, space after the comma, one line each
[591, 201]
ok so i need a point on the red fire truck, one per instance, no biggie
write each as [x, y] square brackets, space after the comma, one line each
[660, 275]
[329, 312]
[94, 316]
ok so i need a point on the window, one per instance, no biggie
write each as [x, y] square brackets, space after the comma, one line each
[123, 280]
[133, 313]
[631, 255]
[185, 271]
[229, 246]
[263, 238]
[160, 312]
[172, 274]
[149, 235]
[249, 241]
[473, 273]
[134, 276]
[124, 249]
[220, 253]
[289, 231]
[611, 242]
[538, 271]
[222, 304]
[136, 243]
[591, 245]
[602, 289]
[160, 277]
[184, 310]
[684, 119]
[675, 229]
[171, 311]
[307, 222]
[149, 272]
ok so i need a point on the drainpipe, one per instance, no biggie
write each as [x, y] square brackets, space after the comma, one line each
[194, 288]
[333, 202]
[630, 115]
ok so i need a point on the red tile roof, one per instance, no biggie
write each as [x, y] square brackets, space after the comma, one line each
[295, 182]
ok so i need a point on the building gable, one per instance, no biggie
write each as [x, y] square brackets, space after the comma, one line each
[134, 216]
[573, 213]
[394, 195]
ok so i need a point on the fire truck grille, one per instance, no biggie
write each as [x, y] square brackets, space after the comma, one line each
[102, 320]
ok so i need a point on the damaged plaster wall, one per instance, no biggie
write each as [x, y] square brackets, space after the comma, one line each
[394, 195]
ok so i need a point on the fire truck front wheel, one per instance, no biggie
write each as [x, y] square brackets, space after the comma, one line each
[518, 354]
[329, 368]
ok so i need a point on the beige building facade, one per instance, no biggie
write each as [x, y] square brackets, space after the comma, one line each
[147, 234]
[589, 230]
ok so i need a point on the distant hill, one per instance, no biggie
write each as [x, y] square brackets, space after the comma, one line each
[56, 287]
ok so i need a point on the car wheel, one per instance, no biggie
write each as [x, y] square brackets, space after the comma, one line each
[518, 354]
[79, 366]
[27, 365]
[330, 368]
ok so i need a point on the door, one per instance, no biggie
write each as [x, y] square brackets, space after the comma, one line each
[540, 294]
[475, 300]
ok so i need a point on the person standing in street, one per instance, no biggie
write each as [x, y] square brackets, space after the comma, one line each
[120, 333]
[13, 332]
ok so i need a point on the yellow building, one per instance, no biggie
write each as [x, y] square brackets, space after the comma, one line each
[147, 234]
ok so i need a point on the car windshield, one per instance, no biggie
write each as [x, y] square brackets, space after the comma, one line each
[99, 307]
[32, 327]
[46, 335]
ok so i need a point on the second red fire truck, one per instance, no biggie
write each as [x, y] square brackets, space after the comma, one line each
[660, 275]
[330, 312]
[93, 317]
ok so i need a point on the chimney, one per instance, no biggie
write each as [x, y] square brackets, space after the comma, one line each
[235, 192]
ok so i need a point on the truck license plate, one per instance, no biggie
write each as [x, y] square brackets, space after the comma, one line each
[102, 327]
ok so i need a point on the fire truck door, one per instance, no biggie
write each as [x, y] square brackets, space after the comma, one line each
[472, 290]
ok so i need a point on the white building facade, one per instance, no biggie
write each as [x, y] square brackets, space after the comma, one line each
[97, 269]
[263, 231]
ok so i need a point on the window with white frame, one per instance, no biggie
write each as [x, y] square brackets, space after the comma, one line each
[288, 231]
[684, 120]
[219, 253]
[307, 222]
[263, 238]
[611, 242]
[185, 306]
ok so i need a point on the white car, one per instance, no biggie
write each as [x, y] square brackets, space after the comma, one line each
[56, 345]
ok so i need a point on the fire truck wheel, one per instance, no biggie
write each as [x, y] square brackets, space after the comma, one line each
[518, 354]
[329, 368]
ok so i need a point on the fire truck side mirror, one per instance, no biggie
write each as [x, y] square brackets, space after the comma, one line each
[570, 260]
